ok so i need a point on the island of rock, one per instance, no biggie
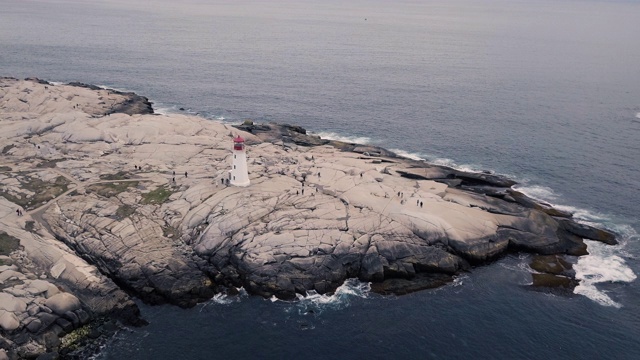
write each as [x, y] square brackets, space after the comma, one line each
[102, 200]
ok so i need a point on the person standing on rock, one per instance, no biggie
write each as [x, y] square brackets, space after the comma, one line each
[185, 174]
[421, 204]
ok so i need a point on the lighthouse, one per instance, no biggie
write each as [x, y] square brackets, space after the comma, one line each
[239, 175]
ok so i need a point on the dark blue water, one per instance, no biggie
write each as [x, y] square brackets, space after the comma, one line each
[547, 92]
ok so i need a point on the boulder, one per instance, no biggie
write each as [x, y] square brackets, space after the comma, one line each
[589, 232]
[11, 303]
[62, 302]
[34, 326]
[30, 350]
[8, 321]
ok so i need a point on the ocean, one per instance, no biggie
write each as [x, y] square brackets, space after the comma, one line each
[545, 92]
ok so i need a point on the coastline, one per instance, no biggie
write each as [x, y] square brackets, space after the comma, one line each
[188, 240]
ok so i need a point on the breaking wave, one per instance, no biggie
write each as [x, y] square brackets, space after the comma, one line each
[340, 299]
[638, 115]
[162, 109]
[537, 192]
[314, 303]
[225, 299]
[408, 155]
[362, 140]
[452, 164]
[603, 265]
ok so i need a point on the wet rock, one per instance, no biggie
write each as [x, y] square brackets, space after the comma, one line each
[71, 316]
[47, 319]
[82, 316]
[30, 350]
[66, 325]
[589, 232]
[404, 286]
[34, 326]
[554, 281]
[48, 356]
[551, 264]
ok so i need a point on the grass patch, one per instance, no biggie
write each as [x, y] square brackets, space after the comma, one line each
[120, 175]
[157, 196]
[8, 243]
[43, 191]
[111, 189]
[124, 211]
[30, 226]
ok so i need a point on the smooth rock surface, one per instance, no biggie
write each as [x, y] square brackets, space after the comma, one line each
[112, 193]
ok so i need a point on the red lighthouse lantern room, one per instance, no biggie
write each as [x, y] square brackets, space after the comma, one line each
[238, 143]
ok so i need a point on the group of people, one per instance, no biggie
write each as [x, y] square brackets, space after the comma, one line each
[19, 212]
[401, 195]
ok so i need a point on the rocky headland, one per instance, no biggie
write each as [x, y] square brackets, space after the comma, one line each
[101, 200]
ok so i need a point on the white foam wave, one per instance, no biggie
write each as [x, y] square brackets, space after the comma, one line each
[225, 299]
[602, 265]
[363, 140]
[408, 155]
[638, 115]
[314, 303]
[459, 280]
[452, 164]
[537, 192]
[123, 90]
[222, 299]
[164, 110]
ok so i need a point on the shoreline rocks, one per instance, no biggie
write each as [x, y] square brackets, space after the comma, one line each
[110, 212]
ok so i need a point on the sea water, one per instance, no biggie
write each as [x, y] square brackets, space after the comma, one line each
[546, 92]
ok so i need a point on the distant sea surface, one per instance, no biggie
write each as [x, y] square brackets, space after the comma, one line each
[546, 92]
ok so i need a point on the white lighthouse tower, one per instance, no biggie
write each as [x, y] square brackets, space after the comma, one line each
[239, 174]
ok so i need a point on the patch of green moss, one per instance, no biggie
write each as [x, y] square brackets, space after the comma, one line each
[111, 189]
[30, 226]
[120, 175]
[157, 196]
[124, 211]
[8, 243]
[42, 191]
[76, 338]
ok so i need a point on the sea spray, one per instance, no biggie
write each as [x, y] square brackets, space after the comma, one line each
[537, 192]
[602, 265]
[363, 140]
[314, 303]
[225, 299]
